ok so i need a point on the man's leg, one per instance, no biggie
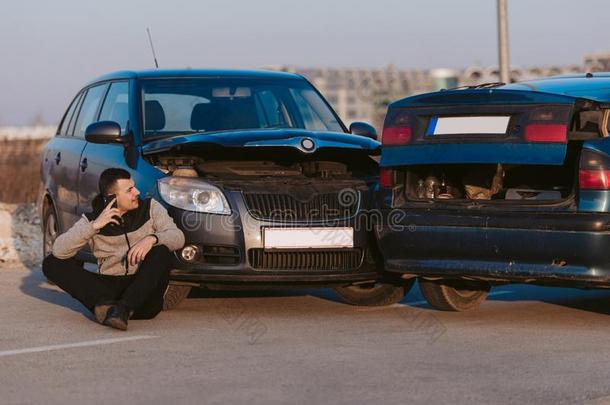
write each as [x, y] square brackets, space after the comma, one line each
[153, 305]
[87, 287]
[145, 293]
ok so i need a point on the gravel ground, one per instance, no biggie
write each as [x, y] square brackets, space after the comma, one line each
[20, 234]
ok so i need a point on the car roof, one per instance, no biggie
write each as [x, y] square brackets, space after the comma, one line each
[183, 73]
[593, 86]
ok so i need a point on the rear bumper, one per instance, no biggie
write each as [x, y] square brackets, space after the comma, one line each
[560, 247]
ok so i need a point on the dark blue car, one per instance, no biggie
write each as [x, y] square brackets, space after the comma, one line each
[259, 172]
[498, 184]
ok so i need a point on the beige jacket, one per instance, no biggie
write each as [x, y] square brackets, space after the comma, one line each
[111, 243]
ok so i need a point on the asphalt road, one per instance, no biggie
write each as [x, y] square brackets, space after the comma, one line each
[524, 345]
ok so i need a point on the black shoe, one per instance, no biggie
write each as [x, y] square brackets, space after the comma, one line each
[101, 310]
[117, 317]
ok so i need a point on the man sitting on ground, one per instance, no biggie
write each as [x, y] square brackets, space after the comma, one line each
[131, 240]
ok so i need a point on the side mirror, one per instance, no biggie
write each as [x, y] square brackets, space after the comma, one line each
[103, 132]
[363, 129]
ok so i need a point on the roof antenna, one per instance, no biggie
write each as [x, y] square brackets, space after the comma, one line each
[152, 48]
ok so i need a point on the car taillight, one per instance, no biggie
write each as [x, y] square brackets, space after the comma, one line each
[546, 133]
[397, 128]
[396, 136]
[594, 171]
[547, 124]
[386, 178]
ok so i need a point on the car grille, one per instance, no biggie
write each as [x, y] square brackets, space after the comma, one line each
[285, 208]
[322, 260]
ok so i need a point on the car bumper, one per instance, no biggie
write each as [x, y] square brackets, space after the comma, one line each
[543, 247]
[285, 279]
[242, 235]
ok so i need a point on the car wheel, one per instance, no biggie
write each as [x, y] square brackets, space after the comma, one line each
[374, 294]
[174, 295]
[50, 231]
[454, 295]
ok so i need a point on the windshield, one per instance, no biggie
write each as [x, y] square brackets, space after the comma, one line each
[182, 106]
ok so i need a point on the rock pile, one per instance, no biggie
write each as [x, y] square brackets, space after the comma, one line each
[20, 234]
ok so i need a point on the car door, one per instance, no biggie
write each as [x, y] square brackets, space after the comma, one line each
[72, 151]
[52, 168]
[98, 157]
[67, 157]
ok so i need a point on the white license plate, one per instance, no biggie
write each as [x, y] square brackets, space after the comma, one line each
[468, 125]
[303, 238]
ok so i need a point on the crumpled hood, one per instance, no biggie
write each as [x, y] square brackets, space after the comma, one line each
[302, 140]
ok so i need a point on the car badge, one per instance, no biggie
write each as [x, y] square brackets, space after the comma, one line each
[308, 144]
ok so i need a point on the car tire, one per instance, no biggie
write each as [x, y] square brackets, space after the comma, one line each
[174, 295]
[49, 234]
[50, 231]
[374, 295]
[457, 296]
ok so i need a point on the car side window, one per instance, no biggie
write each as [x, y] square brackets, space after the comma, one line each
[72, 123]
[116, 105]
[89, 109]
[63, 128]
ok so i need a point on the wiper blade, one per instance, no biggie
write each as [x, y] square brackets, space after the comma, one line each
[171, 135]
[274, 126]
[487, 85]
[478, 86]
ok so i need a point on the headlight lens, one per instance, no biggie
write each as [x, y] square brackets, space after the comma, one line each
[193, 195]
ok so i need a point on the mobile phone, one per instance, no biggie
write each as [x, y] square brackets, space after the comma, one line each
[108, 198]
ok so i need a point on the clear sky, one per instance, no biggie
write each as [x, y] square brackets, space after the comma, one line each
[48, 49]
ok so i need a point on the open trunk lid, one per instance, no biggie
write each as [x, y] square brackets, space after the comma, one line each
[484, 126]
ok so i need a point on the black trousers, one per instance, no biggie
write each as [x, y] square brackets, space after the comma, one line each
[141, 292]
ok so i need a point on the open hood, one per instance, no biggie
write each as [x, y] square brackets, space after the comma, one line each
[302, 140]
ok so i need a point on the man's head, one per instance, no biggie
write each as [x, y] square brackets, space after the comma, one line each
[118, 182]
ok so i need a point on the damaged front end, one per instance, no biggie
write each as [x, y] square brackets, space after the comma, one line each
[226, 198]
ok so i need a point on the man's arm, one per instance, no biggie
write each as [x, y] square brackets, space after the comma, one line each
[165, 229]
[70, 242]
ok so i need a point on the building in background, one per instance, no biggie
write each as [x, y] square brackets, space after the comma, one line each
[597, 62]
[363, 94]
[444, 79]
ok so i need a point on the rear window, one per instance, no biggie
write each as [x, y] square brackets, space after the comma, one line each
[182, 106]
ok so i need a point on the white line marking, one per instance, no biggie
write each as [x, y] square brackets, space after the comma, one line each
[72, 345]
[415, 303]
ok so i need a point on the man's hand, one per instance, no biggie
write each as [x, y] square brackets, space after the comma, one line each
[138, 252]
[106, 216]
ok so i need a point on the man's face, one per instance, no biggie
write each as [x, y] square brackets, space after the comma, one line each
[126, 195]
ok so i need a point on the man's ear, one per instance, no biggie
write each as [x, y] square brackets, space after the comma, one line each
[111, 189]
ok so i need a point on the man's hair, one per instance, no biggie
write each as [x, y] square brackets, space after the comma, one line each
[109, 177]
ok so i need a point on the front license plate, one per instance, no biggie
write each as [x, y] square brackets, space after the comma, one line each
[304, 238]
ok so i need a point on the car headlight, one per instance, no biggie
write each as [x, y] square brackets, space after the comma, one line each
[193, 195]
